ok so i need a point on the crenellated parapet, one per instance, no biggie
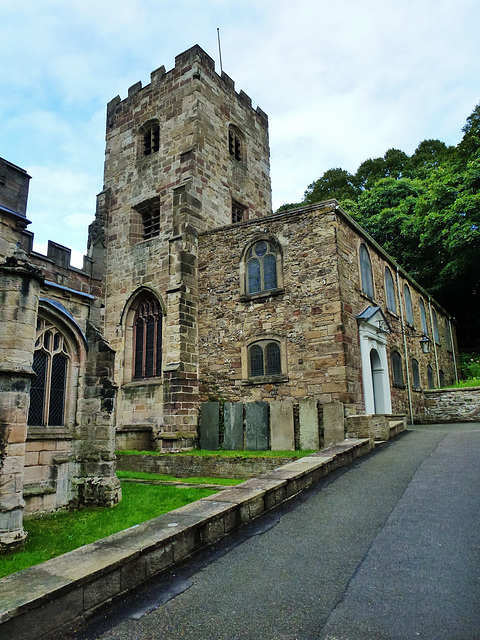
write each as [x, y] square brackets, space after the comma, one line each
[188, 66]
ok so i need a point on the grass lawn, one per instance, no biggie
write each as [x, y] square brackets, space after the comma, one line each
[142, 475]
[471, 382]
[54, 534]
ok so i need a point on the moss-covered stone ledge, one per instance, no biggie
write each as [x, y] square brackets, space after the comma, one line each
[188, 466]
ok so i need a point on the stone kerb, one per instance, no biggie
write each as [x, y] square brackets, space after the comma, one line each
[57, 596]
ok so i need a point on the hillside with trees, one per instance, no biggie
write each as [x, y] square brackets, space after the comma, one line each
[424, 210]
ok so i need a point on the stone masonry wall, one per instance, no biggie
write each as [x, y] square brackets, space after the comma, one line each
[191, 180]
[304, 315]
[349, 239]
[452, 405]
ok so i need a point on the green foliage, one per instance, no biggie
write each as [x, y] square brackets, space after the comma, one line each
[424, 210]
[335, 183]
[470, 365]
[51, 535]
[289, 207]
[470, 382]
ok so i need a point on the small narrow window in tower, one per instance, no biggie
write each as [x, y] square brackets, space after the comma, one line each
[149, 212]
[147, 340]
[236, 144]
[151, 224]
[151, 140]
[239, 212]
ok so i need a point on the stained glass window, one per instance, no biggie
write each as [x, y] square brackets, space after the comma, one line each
[261, 268]
[254, 277]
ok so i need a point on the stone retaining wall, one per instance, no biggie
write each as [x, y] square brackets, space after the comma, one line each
[452, 405]
[185, 466]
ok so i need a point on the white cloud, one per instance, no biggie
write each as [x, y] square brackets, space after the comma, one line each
[341, 81]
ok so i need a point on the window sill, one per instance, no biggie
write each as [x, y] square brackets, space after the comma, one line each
[367, 297]
[247, 297]
[264, 380]
[393, 314]
[142, 383]
[38, 432]
[397, 385]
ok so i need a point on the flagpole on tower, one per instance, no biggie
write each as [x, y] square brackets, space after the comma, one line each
[219, 49]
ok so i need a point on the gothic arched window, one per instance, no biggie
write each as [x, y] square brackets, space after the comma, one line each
[51, 362]
[147, 339]
[423, 317]
[397, 368]
[408, 305]
[415, 374]
[436, 334]
[261, 267]
[390, 289]
[366, 271]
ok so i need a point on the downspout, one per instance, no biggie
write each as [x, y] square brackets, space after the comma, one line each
[409, 390]
[453, 350]
[434, 341]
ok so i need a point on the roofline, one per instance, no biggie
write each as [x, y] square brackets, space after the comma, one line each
[334, 204]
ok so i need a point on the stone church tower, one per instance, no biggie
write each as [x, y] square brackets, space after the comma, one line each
[184, 154]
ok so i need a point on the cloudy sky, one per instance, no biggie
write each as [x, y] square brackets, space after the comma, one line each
[341, 81]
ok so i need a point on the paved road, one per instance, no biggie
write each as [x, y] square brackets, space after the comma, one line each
[387, 549]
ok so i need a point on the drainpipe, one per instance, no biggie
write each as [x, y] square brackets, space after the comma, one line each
[434, 340]
[409, 390]
[453, 350]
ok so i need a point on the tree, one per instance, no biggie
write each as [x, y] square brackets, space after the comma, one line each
[387, 213]
[335, 183]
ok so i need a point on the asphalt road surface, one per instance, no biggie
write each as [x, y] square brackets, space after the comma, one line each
[386, 549]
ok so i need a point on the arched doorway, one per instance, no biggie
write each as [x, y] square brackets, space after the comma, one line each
[378, 379]
[373, 340]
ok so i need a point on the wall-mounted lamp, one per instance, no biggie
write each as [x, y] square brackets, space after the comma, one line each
[425, 343]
